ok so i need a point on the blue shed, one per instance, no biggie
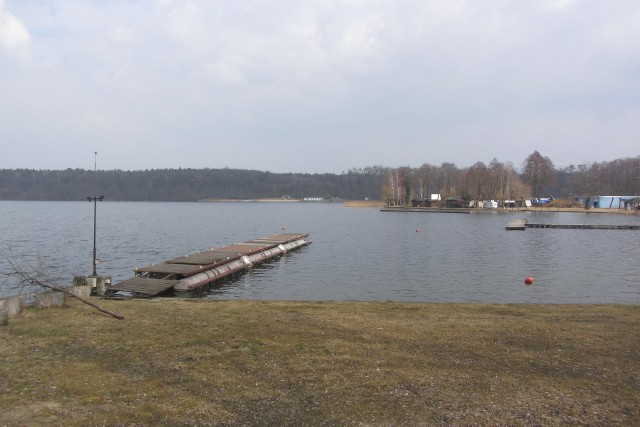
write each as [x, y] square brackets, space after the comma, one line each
[605, 202]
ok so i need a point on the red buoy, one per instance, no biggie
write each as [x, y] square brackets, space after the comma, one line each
[528, 280]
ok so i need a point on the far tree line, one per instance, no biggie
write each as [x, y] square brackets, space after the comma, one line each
[536, 177]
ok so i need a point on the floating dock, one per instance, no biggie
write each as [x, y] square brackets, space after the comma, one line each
[521, 224]
[192, 272]
[517, 224]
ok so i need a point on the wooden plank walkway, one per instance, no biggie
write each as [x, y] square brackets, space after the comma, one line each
[143, 286]
[521, 224]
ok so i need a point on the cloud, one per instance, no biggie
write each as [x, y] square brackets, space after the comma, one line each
[121, 34]
[558, 5]
[377, 81]
[13, 34]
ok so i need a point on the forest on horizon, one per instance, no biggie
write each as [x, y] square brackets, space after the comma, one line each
[536, 177]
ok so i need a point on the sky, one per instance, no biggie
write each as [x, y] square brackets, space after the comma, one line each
[316, 86]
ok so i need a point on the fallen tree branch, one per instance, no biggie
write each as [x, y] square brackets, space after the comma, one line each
[38, 277]
[84, 300]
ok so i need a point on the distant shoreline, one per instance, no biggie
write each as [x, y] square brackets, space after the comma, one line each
[250, 200]
[346, 203]
[532, 209]
[380, 204]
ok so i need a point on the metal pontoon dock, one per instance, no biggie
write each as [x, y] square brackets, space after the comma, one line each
[194, 271]
[521, 224]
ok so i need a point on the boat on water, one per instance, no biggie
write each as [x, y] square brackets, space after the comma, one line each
[192, 272]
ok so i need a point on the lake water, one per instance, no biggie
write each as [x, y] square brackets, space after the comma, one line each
[356, 254]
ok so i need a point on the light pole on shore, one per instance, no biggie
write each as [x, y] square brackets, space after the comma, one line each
[95, 199]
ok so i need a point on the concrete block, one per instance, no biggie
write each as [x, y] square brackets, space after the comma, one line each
[83, 291]
[13, 305]
[49, 299]
[100, 284]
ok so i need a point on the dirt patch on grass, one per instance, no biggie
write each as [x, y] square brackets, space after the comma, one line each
[273, 363]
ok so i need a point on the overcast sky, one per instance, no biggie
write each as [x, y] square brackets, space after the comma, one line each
[316, 85]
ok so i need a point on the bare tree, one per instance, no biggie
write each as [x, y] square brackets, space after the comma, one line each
[423, 177]
[499, 177]
[405, 176]
[617, 177]
[447, 175]
[391, 187]
[514, 186]
[479, 178]
[538, 171]
[24, 277]
[397, 186]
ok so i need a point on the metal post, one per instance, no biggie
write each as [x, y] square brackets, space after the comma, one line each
[95, 199]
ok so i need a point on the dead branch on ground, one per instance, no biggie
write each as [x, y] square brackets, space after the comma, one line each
[21, 277]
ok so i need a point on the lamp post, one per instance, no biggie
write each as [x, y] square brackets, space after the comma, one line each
[95, 199]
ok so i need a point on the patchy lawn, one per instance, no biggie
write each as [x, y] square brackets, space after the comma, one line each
[177, 362]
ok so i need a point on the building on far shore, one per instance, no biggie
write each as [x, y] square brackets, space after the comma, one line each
[609, 202]
[456, 202]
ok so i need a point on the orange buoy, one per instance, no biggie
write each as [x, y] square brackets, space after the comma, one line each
[528, 280]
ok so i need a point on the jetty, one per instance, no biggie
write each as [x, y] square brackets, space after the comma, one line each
[192, 272]
[521, 224]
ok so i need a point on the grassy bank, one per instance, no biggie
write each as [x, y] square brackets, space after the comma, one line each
[177, 362]
[364, 204]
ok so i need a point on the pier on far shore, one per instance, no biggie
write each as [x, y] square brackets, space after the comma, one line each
[522, 224]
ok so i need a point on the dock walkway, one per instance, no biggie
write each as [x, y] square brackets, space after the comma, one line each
[193, 271]
[521, 224]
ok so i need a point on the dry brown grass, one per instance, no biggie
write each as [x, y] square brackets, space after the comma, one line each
[364, 204]
[177, 362]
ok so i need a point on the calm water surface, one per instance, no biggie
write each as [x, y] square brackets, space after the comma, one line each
[357, 253]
